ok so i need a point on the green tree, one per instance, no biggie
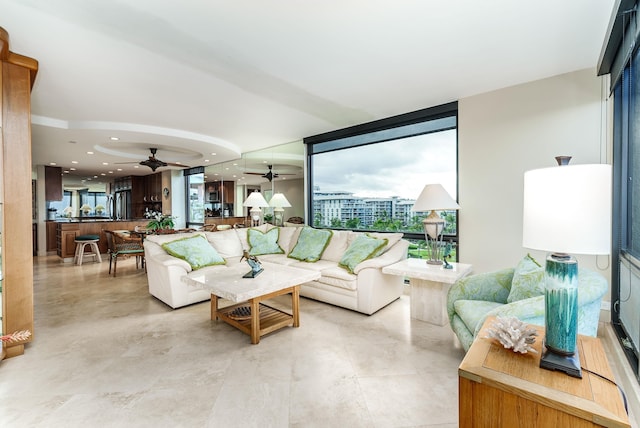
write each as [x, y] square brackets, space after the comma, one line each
[317, 219]
[336, 223]
[353, 223]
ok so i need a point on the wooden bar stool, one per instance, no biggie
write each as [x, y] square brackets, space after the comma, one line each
[81, 242]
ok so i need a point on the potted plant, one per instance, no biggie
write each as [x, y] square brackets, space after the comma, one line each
[159, 222]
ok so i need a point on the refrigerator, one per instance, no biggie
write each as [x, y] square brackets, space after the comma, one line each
[123, 205]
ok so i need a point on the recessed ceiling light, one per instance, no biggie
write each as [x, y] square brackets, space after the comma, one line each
[114, 138]
[66, 172]
[206, 160]
[89, 153]
[214, 154]
[52, 163]
[103, 174]
[119, 169]
[95, 176]
[110, 172]
[74, 161]
[105, 163]
[72, 169]
[136, 166]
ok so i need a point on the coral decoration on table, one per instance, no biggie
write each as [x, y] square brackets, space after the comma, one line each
[513, 334]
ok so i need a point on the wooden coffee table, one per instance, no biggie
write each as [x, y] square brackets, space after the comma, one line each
[275, 280]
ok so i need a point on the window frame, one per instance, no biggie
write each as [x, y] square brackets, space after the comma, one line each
[429, 120]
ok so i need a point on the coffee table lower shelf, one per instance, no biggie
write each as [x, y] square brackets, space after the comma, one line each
[269, 319]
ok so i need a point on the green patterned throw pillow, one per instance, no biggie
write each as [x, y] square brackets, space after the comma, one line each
[264, 243]
[195, 250]
[528, 280]
[364, 247]
[311, 244]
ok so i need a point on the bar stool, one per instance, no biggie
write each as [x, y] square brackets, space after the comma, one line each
[81, 242]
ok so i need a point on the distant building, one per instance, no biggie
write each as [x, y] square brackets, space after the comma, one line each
[344, 206]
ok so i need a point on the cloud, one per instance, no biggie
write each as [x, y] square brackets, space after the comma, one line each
[395, 168]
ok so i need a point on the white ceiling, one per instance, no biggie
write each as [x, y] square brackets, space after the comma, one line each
[195, 77]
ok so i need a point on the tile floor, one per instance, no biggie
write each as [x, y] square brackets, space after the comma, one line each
[107, 354]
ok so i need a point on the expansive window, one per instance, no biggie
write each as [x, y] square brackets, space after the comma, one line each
[621, 59]
[195, 199]
[368, 177]
[96, 200]
[56, 208]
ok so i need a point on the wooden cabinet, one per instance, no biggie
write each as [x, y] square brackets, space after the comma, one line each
[65, 239]
[501, 388]
[17, 75]
[53, 183]
[52, 239]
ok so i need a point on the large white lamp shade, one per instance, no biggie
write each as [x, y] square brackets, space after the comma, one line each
[256, 201]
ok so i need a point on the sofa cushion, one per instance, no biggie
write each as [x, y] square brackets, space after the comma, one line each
[226, 242]
[195, 250]
[392, 239]
[338, 244]
[311, 244]
[264, 242]
[362, 248]
[528, 280]
[288, 238]
[471, 312]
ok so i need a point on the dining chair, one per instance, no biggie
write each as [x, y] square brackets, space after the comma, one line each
[117, 247]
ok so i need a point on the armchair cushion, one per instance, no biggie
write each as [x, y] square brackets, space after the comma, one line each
[471, 312]
[528, 280]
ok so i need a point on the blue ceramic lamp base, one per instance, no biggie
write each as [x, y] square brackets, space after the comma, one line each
[569, 364]
[561, 315]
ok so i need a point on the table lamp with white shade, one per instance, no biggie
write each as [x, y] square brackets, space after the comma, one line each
[256, 201]
[279, 202]
[434, 198]
[567, 209]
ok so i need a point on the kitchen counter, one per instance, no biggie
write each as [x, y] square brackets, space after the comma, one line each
[67, 230]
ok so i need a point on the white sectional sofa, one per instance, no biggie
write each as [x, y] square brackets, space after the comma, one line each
[365, 290]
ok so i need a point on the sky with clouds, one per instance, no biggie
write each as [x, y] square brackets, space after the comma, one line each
[395, 168]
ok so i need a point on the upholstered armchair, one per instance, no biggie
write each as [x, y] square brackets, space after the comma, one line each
[472, 299]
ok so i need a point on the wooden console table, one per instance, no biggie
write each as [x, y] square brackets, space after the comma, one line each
[501, 388]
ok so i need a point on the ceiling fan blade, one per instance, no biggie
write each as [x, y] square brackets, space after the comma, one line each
[179, 165]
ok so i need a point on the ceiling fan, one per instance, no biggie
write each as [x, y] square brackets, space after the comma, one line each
[270, 175]
[155, 163]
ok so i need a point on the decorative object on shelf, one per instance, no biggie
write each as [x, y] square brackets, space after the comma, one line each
[256, 201]
[165, 192]
[99, 209]
[240, 313]
[256, 266]
[17, 336]
[513, 334]
[158, 221]
[434, 198]
[567, 209]
[279, 202]
[68, 212]
[85, 209]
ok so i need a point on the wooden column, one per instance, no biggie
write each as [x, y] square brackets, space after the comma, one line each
[17, 77]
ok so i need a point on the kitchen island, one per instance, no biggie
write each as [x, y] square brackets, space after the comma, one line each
[67, 230]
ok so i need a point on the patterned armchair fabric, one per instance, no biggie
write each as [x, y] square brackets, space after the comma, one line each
[472, 299]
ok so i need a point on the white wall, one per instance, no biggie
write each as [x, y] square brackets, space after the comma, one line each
[504, 133]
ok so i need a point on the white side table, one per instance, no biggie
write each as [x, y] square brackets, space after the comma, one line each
[429, 286]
